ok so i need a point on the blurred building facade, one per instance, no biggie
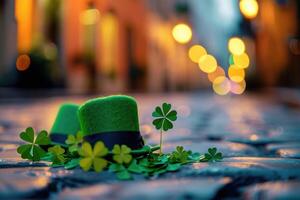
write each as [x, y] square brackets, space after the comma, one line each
[105, 45]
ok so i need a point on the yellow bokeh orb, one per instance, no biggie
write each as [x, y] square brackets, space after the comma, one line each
[208, 63]
[196, 52]
[89, 16]
[249, 8]
[236, 74]
[236, 46]
[241, 61]
[182, 33]
[221, 85]
[218, 72]
[237, 88]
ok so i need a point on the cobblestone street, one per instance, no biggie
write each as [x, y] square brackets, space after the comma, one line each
[257, 134]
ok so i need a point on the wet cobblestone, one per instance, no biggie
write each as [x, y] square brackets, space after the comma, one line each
[258, 136]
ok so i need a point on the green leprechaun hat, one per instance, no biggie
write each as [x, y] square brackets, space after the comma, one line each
[112, 120]
[66, 123]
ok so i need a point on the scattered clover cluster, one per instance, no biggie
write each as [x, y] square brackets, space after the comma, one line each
[121, 160]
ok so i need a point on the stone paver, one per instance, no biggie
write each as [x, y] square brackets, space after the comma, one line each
[289, 152]
[288, 190]
[23, 182]
[261, 167]
[258, 136]
[202, 188]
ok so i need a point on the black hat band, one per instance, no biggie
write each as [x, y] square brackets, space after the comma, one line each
[132, 139]
[58, 138]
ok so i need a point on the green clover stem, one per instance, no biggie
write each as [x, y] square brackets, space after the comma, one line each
[161, 142]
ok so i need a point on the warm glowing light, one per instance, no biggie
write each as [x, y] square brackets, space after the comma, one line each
[241, 61]
[236, 74]
[237, 87]
[23, 62]
[196, 52]
[109, 30]
[218, 72]
[23, 13]
[208, 63]
[249, 8]
[221, 85]
[89, 16]
[50, 51]
[182, 33]
[236, 46]
[253, 137]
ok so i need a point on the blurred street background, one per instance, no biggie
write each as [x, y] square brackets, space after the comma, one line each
[108, 46]
[231, 68]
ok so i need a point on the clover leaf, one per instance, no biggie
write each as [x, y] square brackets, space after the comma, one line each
[74, 141]
[33, 151]
[121, 154]
[212, 155]
[57, 154]
[71, 164]
[93, 157]
[180, 155]
[163, 118]
[134, 167]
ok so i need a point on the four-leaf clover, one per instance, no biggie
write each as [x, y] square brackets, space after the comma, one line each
[163, 120]
[212, 155]
[33, 151]
[164, 117]
[93, 157]
[121, 154]
[74, 141]
[57, 154]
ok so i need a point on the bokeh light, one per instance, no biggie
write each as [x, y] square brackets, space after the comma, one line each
[208, 63]
[249, 8]
[182, 33]
[23, 62]
[50, 51]
[236, 46]
[218, 72]
[241, 61]
[236, 74]
[196, 52]
[89, 16]
[221, 85]
[237, 87]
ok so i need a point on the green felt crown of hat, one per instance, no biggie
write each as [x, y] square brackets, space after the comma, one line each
[111, 119]
[66, 123]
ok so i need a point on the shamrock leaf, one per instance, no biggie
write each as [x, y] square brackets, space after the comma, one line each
[212, 155]
[164, 117]
[121, 154]
[72, 163]
[134, 167]
[115, 167]
[173, 167]
[93, 157]
[180, 155]
[124, 175]
[74, 141]
[33, 151]
[57, 154]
